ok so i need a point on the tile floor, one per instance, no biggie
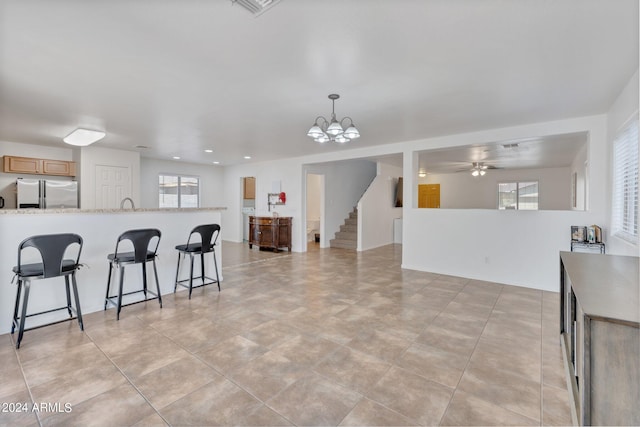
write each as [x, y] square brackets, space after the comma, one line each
[327, 337]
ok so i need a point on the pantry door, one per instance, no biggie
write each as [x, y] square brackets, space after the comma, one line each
[112, 184]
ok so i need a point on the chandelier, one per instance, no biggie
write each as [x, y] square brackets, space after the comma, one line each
[478, 169]
[324, 130]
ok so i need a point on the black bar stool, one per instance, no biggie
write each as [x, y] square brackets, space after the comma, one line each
[145, 247]
[52, 248]
[208, 237]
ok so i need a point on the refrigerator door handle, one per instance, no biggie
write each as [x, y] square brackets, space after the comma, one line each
[43, 195]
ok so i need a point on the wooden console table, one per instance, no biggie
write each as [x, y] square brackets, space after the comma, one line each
[600, 330]
[270, 232]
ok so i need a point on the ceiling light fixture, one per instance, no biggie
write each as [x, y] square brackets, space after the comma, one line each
[208, 151]
[83, 137]
[256, 7]
[176, 157]
[324, 131]
[478, 169]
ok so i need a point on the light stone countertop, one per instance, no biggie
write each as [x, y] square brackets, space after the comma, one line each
[103, 211]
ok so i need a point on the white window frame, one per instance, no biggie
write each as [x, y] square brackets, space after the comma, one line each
[624, 167]
[179, 177]
[517, 184]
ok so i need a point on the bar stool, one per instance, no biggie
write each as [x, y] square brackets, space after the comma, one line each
[145, 247]
[51, 248]
[208, 237]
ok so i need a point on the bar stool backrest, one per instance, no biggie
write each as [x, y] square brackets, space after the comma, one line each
[140, 239]
[208, 236]
[52, 248]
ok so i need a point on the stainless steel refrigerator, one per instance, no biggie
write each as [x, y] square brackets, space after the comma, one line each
[46, 194]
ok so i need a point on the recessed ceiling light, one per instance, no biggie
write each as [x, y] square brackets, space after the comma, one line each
[208, 151]
[247, 157]
[176, 157]
[83, 137]
[141, 147]
[216, 163]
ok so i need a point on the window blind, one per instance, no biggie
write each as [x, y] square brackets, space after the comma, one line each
[625, 183]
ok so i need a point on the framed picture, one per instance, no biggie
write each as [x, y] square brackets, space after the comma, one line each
[578, 233]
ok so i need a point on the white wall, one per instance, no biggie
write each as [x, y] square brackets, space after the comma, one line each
[314, 183]
[512, 247]
[211, 181]
[625, 105]
[8, 180]
[463, 191]
[376, 209]
[93, 156]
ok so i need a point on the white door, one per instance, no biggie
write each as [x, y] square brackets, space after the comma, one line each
[112, 184]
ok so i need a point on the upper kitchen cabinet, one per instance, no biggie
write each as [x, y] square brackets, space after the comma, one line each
[34, 166]
[249, 188]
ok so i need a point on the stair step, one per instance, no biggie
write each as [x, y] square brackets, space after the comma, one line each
[344, 244]
[347, 235]
[353, 215]
[351, 221]
[349, 228]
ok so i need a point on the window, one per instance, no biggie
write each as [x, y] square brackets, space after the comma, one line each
[518, 195]
[624, 213]
[179, 191]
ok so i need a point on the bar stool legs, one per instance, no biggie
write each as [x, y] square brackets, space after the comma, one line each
[118, 304]
[19, 321]
[202, 276]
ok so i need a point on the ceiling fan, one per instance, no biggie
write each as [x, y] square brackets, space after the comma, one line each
[479, 168]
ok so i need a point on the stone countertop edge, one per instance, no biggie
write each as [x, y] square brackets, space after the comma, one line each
[103, 211]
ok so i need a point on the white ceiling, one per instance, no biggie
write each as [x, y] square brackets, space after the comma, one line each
[182, 76]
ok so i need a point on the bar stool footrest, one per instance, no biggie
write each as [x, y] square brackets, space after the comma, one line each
[115, 297]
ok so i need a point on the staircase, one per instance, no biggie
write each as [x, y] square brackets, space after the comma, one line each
[347, 237]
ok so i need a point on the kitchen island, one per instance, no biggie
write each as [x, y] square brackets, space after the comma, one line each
[99, 229]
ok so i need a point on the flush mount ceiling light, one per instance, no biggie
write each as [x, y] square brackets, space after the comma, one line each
[324, 130]
[256, 7]
[479, 169]
[83, 137]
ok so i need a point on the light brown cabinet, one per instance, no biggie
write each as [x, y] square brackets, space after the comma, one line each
[35, 166]
[249, 190]
[270, 232]
[58, 167]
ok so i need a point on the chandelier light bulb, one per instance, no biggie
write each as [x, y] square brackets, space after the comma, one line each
[352, 132]
[315, 131]
[335, 129]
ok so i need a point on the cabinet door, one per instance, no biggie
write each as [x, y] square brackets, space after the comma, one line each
[249, 188]
[21, 165]
[266, 236]
[284, 237]
[58, 167]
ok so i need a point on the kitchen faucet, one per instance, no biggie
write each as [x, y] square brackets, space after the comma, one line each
[133, 206]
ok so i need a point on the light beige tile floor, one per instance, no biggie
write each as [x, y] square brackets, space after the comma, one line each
[328, 337]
